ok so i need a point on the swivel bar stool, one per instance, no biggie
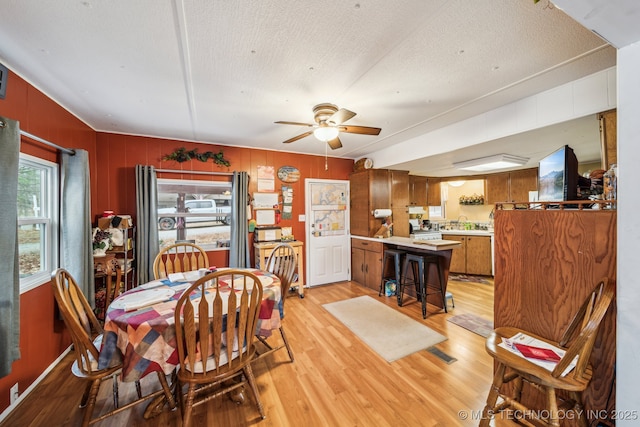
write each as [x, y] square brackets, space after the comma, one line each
[419, 264]
[396, 261]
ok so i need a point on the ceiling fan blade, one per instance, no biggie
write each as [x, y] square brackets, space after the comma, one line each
[335, 143]
[295, 123]
[341, 116]
[295, 138]
[362, 130]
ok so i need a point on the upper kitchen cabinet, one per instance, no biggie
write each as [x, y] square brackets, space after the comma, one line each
[399, 181]
[608, 130]
[417, 190]
[433, 192]
[511, 186]
[370, 190]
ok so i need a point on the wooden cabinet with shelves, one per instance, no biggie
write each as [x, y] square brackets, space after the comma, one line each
[473, 256]
[511, 186]
[417, 190]
[125, 256]
[434, 197]
[366, 263]
[369, 191]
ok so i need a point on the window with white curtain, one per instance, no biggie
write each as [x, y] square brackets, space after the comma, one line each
[195, 210]
[37, 220]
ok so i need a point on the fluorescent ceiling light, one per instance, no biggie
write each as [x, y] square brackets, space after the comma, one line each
[326, 133]
[499, 161]
[456, 183]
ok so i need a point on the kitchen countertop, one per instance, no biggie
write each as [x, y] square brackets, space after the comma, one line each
[468, 232]
[429, 245]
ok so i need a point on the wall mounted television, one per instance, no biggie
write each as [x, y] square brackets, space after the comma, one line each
[558, 176]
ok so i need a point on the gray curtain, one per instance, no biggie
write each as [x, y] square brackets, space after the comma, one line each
[147, 240]
[9, 267]
[239, 255]
[76, 249]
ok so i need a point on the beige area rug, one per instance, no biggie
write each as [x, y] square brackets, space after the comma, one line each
[391, 334]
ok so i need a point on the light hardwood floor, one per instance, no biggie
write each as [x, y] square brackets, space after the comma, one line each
[336, 380]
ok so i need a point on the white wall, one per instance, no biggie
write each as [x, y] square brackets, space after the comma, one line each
[589, 95]
[628, 297]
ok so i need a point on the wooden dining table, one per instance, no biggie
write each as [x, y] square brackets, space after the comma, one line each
[139, 328]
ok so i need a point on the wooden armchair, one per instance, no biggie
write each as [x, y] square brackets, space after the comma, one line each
[86, 333]
[179, 257]
[282, 262]
[578, 340]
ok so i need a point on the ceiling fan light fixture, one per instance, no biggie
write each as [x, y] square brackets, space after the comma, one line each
[326, 133]
[498, 161]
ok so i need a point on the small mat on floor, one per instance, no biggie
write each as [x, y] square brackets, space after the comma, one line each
[388, 332]
[467, 278]
[475, 324]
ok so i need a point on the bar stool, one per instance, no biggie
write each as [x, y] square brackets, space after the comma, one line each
[419, 264]
[396, 257]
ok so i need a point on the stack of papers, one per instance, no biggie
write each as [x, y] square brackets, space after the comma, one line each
[536, 351]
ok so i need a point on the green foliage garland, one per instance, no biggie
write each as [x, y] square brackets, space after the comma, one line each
[182, 155]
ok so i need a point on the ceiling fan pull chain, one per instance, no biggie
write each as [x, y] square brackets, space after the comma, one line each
[326, 165]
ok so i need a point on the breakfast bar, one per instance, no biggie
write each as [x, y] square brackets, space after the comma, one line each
[367, 260]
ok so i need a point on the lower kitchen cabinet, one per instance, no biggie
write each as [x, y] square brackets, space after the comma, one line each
[473, 256]
[366, 263]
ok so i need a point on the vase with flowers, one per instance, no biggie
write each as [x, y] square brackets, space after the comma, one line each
[101, 242]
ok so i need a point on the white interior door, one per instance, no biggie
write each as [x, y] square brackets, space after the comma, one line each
[328, 248]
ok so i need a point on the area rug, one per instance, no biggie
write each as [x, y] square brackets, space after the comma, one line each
[476, 324]
[467, 278]
[388, 332]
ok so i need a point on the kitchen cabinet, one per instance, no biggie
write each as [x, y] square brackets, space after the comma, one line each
[399, 198]
[473, 256]
[417, 190]
[511, 186]
[608, 131]
[433, 192]
[369, 191]
[366, 263]
[379, 189]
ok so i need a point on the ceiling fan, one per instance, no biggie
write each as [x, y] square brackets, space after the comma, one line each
[329, 123]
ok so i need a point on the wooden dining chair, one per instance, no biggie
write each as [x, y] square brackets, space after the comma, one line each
[578, 340]
[216, 344]
[179, 257]
[282, 262]
[86, 333]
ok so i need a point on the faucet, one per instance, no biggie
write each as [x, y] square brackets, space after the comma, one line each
[461, 225]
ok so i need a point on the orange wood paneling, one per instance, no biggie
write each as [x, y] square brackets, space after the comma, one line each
[42, 337]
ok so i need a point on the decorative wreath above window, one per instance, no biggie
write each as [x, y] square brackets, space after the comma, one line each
[181, 155]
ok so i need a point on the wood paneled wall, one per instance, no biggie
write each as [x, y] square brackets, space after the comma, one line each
[42, 336]
[112, 160]
[546, 262]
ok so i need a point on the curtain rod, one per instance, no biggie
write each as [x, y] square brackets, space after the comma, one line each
[44, 141]
[195, 172]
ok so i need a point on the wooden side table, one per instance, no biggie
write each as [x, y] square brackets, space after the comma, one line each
[263, 250]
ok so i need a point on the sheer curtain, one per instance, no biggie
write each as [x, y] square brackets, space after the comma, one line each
[147, 240]
[9, 268]
[76, 251]
[239, 255]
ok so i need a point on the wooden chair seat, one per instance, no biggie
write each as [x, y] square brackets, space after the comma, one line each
[86, 333]
[578, 341]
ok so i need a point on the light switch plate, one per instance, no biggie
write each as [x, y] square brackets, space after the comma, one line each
[301, 218]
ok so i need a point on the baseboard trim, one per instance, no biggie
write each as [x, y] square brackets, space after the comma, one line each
[33, 385]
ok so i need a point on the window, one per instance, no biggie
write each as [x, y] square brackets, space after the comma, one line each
[37, 220]
[194, 210]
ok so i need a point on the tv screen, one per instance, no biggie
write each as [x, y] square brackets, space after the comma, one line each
[558, 176]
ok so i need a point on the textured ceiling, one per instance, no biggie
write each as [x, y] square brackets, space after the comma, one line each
[224, 71]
